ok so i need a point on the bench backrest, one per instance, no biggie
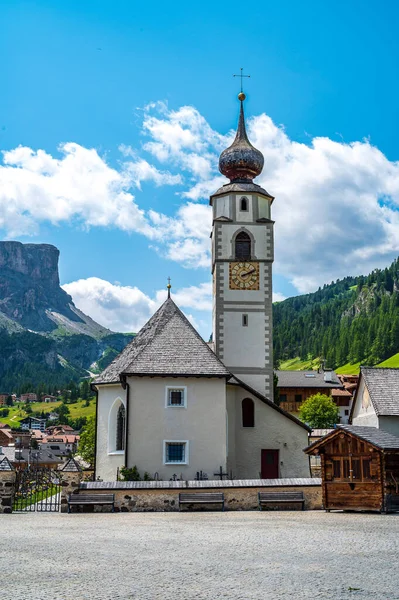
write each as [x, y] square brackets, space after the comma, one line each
[275, 496]
[203, 497]
[92, 497]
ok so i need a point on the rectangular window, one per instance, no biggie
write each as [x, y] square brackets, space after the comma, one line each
[337, 469]
[366, 468]
[298, 397]
[176, 397]
[175, 453]
[356, 473]
[283, 397]
[245, 320]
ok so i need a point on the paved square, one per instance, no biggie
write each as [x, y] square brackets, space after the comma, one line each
[237, 555]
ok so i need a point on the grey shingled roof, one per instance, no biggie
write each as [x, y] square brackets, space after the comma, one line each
[383, 387]
[377, 437]
[308, 379]
[167, 345]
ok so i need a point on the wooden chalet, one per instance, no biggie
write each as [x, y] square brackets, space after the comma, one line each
[359, 469]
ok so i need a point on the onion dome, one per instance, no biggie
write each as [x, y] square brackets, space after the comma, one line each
[241, 162]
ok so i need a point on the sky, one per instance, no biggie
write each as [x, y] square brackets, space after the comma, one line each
[113, 115]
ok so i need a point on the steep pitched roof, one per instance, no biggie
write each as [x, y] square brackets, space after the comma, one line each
[383, 387]
[167, 345]
[306, 379]
[377, 437]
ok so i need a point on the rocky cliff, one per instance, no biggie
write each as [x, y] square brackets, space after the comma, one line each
[39, 323]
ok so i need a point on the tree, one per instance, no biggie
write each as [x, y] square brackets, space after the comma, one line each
[87, 437]
[319, 411]
[9, 401]
[276, 390]
[85, 389]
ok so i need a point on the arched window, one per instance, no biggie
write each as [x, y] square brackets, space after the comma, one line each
[120, 428]
[243, 246]
[244, 204]
[248, 412]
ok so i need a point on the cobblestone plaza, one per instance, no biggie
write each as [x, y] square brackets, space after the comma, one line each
[203, 555]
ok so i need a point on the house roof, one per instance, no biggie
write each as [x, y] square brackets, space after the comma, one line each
[167, 345]
[338, 392]
[306, 379]
[377, 437]
[36, 456]
[383, 387]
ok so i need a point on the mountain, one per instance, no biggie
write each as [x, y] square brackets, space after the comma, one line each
[350, 321]
[44, 337]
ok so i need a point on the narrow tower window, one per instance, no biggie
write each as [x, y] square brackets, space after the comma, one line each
[244, 204]
[243, 246]
[245, 320]
[248, 412]
[120, 428]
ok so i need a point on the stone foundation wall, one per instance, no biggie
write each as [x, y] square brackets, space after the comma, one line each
[162, 500]
[69, 485]
[7, 491]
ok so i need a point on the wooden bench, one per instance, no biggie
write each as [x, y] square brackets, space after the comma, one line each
[91, 499]
[276, 498]
[202, 498]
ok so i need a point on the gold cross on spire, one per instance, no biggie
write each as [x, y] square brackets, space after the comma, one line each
[241, 75]
[168, 287]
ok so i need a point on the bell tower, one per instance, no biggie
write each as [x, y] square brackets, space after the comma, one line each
[242, 257]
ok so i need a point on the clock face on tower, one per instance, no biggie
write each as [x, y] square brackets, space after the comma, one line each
[244, 276]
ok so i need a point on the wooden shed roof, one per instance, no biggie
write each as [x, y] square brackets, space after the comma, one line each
[376, 437]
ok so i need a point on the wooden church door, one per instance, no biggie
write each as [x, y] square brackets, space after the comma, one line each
[269, 464]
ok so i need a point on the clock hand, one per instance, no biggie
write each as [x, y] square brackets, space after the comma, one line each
[247, 273]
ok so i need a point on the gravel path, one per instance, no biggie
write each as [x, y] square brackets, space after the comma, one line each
[237, 555]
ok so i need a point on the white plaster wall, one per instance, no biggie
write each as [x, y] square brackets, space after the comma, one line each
[261, 234]
[106, 463]
[202, 423]
[363, 412]
[221, 206]
[264, 208]
[272, 431]
[244, 346]
[389, 424]
[245, 216]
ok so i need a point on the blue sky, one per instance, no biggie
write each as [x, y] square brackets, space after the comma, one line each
[113, 78]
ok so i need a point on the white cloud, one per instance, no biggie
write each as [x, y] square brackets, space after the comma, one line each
[336, 207]
[126, 309]
[278, 297]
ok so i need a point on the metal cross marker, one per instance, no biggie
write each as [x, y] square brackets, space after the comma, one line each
[241, 75]
[168, 287]
[221, 474]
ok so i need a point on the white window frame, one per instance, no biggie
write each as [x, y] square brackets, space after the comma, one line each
[186, 454]
[176, 387]
[112, 427]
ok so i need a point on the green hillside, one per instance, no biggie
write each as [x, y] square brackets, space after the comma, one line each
[18, 412]
[349, 322]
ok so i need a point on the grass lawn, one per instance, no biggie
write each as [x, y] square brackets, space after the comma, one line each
[348, 369]
[17, 412]
[392, 362]
[296, 364]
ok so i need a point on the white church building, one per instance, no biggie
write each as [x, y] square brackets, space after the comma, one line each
[175, 407]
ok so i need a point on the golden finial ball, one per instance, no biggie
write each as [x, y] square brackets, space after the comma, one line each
[168, 286]
[241, 96]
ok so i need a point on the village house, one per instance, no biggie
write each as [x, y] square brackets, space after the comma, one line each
[33, 423]
[65, 444]
[3, 399]
[6, 437]
[359, 468]
[28, 397]
[376, 402]
[49, 398]
[172, 406]
[297, 386]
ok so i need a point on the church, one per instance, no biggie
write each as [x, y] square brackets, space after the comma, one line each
[177, 407]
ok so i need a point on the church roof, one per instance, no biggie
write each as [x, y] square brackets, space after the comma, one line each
[166, 345]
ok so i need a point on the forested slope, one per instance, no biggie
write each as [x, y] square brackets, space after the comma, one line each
[353, 320]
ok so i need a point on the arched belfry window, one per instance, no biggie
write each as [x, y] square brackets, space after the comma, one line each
[248, 412]
[120, 428]
[243, 246]
[244, 204]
